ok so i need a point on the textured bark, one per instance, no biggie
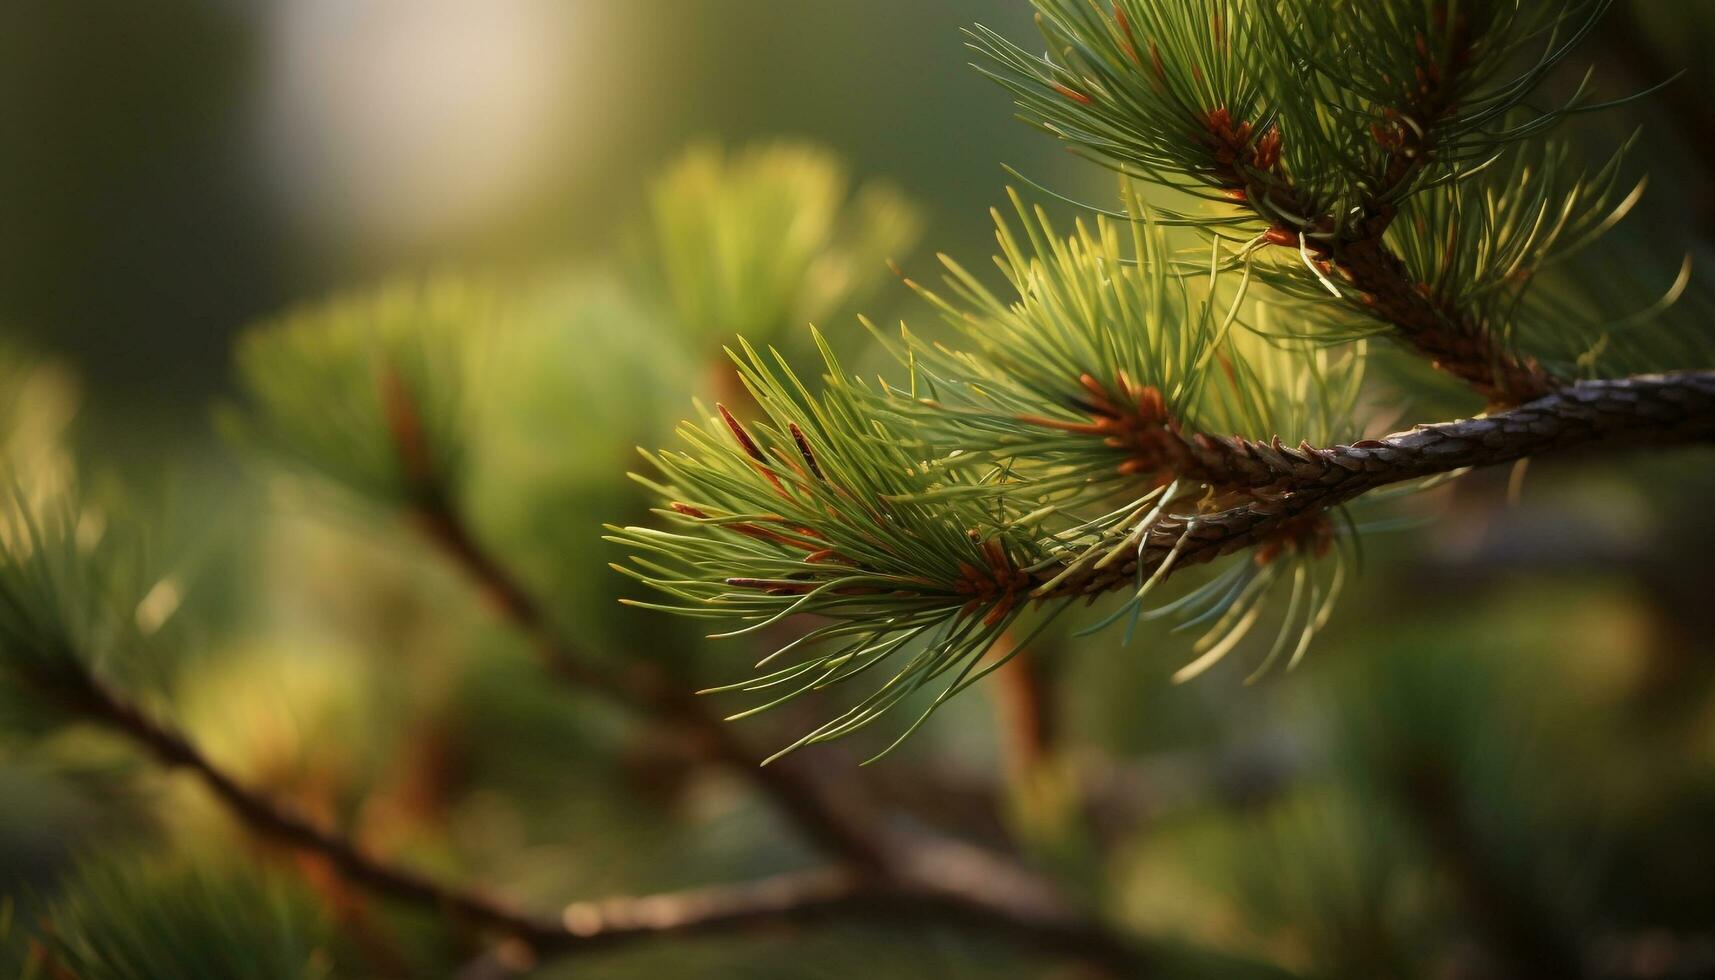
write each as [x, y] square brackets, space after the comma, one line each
[1287, 484]
[1451, 341]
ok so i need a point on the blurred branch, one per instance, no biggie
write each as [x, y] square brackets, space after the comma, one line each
[647, 688]
[908, 877]
[947, 884]
[278, 820]
[1025, 710]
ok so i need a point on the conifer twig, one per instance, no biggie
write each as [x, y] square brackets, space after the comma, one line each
[1453, 341]
[279, 821]
[1660, 409]
[637, 683]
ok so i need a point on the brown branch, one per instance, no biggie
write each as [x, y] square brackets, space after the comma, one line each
[648, 689]
[946, 884]
[278, 820]
[1287, 484]
[1453, 340]
[1025, 713]
[641, 685]
[971, 884]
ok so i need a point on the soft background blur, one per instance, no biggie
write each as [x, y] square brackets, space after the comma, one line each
[173, 172]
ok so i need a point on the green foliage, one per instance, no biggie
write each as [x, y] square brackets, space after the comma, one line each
[767, 238]
[1095, 316]
[1313, 126]
[1084, 307]
[890, 542]
[131, 921]
[370, 390]
[822, 509]
[1170, 90]
[920, 521]
[1363, 168]
[69, 588]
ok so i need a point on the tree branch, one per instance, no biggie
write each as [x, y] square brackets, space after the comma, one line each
[280, 821]
[1453, 340]
[638, 683]
[1287, 483]
[970, 884]
[948, 884]
[648, 689]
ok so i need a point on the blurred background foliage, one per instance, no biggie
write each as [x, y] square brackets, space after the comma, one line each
[1508, 729]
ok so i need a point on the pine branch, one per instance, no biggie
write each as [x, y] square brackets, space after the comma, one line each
[1310, 126]
[918, 562]
[1648, 410]
[1456, 341]
[279, 821]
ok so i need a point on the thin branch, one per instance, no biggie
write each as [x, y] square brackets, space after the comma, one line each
[970, 884]
[1452, 340]
[647, 688]
[1287, 483]
[638, 683]
[947, 885]
[1025, 712]
[280, 821]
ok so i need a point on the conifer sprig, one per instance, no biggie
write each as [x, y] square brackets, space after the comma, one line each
[884, 578]
[371, 390]
[821, 510]
[1339, 106]
[1311, 126]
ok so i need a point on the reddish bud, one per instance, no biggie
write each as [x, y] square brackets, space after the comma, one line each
[739, 433]
[1073, 94]
[804, 450]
